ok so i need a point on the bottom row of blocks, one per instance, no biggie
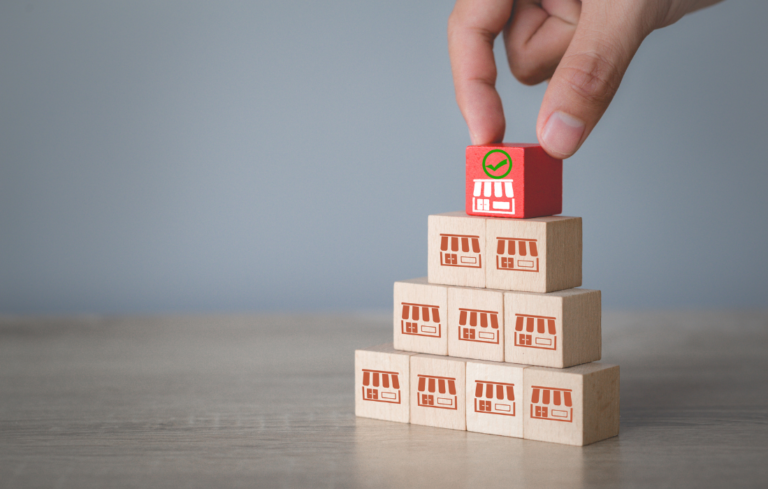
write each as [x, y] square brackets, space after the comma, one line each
[575, 406]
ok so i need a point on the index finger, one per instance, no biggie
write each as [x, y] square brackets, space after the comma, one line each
[472, 28]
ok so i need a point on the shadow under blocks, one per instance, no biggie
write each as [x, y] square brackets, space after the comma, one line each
[499, 338]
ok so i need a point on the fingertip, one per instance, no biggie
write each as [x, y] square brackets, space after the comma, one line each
[562, 134]
[472, 28]
[487, 135]
[484, 115]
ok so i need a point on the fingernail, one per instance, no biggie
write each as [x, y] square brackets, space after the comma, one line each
[562, 133]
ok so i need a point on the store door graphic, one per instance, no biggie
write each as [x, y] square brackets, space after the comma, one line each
[552, 404]
[517, 254]
[495, 398]
[437, 392]
[381, 386]
[458, 250]
[535, 332]
[493, 196]
[479, 326]
[421, 320]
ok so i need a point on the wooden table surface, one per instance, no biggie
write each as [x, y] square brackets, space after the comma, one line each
[267, 401]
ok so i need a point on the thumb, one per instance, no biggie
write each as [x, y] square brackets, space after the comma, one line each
[584, 83]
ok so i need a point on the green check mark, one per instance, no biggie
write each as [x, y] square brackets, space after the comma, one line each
[501, 163]
[487, 167]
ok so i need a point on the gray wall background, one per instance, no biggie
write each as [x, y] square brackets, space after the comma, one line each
[240, 156]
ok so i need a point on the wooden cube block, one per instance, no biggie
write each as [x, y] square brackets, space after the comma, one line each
[456, 244]
[574, 406]
[513, 180]
[438, 391]
[533, 255]
[476, 323]
[495, 398]
[421, 317]
[382, 381]
[558, 329]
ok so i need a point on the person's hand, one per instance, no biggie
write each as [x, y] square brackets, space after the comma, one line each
[583, 48]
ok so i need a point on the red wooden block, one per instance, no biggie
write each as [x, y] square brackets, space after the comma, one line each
[513, 180]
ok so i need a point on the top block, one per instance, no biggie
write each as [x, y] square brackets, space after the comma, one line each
[513, 180]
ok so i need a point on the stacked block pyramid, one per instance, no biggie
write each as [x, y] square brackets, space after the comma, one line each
[499, 338]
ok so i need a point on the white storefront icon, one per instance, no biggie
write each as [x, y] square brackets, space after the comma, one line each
[493, 196]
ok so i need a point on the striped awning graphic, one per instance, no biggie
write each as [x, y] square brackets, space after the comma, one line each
[456, 242]
[516, 246]
[496, 188]
[428, 383]
[545, 395]
[539, 324]
[378, 378]
[421, 312]
[495, 390]
[475, 317]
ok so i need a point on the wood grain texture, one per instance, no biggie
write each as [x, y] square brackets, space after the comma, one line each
[582, 326]
[382, 380]
[557, 329]
[601, 403]
[438, 391]
[533, 255]
[456, 245]
[421, 317]
[267, 400]
[476, 323]
[573, 406]
[490, 407]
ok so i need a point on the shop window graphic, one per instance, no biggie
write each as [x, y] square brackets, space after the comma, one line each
[437, 392]
[421, 320]
[479, 326]
[495, 398]
[381, 386]
[493, 196]
[458, 250]
[535, 332]
[521, 255]
[552, 403]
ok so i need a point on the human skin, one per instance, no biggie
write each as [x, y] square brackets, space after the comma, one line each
[582, 47]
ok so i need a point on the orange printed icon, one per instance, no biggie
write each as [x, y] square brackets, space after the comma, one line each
[458, 250]
[517, 254]
[552, 403]
[535, 332]
[495, 398]
[437, 392]
[480, 326]
[421, 320]
[381, 386]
